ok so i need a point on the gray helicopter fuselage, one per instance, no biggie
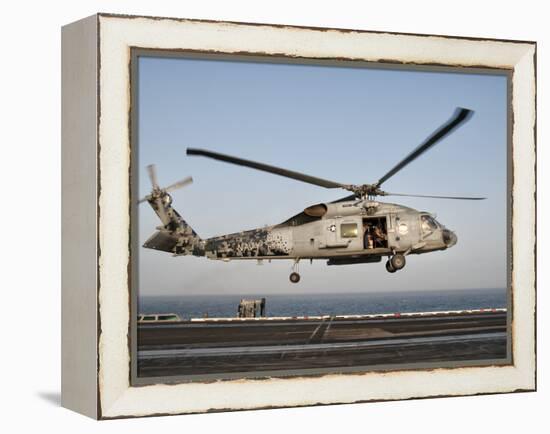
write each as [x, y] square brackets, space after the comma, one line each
[335, 231]
[353, 230]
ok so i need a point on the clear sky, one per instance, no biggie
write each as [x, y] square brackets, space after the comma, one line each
[349, 125]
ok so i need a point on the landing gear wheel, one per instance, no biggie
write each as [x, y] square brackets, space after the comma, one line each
[390, 268]
[294, 277]
[398, 261]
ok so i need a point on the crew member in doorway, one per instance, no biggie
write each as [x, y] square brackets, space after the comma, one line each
[379, 237]
[368, 242]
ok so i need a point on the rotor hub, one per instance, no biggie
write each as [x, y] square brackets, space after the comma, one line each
[366, 190]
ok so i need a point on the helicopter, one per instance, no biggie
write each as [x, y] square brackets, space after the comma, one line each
[355, 229]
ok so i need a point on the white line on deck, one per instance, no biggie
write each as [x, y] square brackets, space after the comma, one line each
[269, 349]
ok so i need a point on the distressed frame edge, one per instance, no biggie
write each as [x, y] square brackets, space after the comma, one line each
[305, 27]
[138, 52]
[530, 47]
[79, 135]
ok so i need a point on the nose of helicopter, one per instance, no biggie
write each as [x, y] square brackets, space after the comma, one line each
[449, 238]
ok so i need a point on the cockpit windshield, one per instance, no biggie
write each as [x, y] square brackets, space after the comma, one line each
[428, 223]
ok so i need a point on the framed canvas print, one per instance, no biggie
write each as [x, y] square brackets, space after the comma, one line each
[261, 216]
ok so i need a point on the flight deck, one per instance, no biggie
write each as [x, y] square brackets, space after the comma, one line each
[218, 346]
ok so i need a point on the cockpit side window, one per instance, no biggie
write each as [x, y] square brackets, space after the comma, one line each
[428, 223]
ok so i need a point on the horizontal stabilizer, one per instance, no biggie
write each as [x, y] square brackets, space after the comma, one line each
[162, 240]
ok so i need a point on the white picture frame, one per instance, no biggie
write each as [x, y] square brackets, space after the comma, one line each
[96, 139]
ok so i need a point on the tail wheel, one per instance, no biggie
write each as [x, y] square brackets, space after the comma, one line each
[390, 268]
[398, 261]
[294, 277]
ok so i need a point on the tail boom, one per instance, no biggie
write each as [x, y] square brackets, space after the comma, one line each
[175, 235]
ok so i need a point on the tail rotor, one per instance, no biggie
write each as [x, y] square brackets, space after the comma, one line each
[159, 197]
[180, 184]
[152, 171]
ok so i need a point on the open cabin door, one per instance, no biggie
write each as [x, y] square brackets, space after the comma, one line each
[375, 230]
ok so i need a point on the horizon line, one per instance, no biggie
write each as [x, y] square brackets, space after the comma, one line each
[322, 293]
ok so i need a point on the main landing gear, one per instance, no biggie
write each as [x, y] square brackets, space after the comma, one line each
[295, 276]
[396, 262]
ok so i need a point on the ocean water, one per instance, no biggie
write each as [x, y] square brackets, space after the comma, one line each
[199, 306]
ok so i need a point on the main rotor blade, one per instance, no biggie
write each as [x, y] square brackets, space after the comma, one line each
[179, 184]
[460, 116]
[354, 197]
[265, 168]
[152, 171]
[436, 197]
